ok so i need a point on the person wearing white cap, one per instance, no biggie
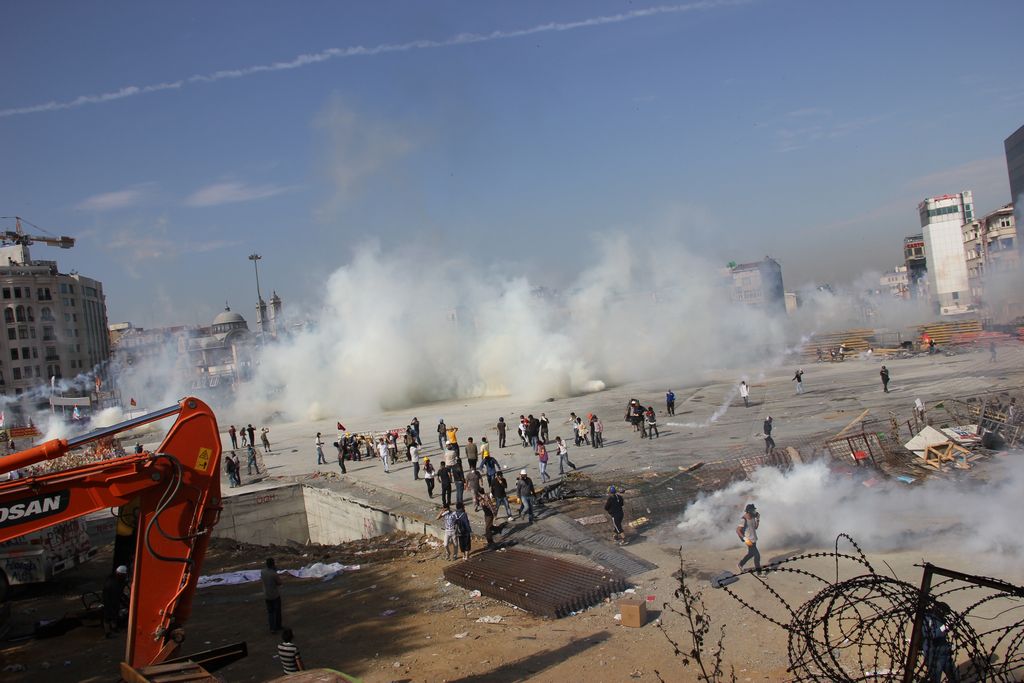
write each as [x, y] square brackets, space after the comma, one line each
[524, 489]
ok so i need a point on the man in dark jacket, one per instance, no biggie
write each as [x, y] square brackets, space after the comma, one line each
[769, 442]
[444, 477]
[614, 507]
[501, 427]
[524, 489]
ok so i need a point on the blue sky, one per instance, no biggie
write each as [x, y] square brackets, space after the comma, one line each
[508, 134]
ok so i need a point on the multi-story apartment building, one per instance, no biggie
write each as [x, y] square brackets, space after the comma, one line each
[758, 284]
[992, 252]
[56, 323]
[941, 218]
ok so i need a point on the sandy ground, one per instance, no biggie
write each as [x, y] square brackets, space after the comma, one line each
[341, 623]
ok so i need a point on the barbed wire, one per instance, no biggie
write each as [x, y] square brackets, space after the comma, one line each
[859, 628]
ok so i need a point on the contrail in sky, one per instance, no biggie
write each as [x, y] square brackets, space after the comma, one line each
[361, 51]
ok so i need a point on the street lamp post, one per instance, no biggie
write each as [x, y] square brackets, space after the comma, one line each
[261, 308]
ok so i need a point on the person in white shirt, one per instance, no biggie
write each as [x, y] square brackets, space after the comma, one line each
[745, 393]
[382, 450]
[319, 443]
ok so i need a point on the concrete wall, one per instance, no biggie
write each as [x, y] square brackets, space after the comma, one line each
[334, 518]
[303, 514]
[273, 516]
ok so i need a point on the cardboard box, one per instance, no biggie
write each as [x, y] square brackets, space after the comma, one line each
[633, 611]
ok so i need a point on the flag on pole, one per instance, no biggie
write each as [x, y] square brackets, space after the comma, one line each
[132, 403]
[75, 415]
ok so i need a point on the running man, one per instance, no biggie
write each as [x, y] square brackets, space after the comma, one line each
[747, 531]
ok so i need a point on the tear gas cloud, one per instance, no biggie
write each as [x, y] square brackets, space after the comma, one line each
[411, 325]
[809, 505]
[391, 336]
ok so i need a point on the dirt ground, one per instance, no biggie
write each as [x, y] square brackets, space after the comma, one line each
[395, 619]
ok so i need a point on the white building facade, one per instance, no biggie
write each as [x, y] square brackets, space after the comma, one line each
[941, 221]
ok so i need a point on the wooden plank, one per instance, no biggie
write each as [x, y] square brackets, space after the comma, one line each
[852, 423]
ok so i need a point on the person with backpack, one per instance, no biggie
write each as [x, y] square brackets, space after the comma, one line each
[747, 531]
[463, 529]
[231, 465]
[615, 507]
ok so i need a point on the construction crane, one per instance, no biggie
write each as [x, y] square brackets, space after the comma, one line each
[18, 236]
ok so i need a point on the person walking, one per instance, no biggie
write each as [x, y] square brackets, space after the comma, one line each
[473, 482]
[593, 430]
[264, 439]
[252, 434]
[251, 463]
[542, 458]
[231, 465]
[798, 377]
[382, 453]
[563, 456]
[458, 481]
[488, 506]
[583, 430]
[598, 432]
[670, 402]
[501, 427]
[464, 530]
[233, 433]
[522, 431]
[651, 421]
[747, 531]
[472, 453]
[545, 424]
[444, 478]
[244, 441]
[272, 594]
[451, 547]
[428, 476]
[319, 444]
[442, 431]
[410, 443]
[745, 393]
[992, 351]
[491, 468]
[884, 373]
[769, 442]
[340, 445]
[524, 489]
[499, 489]
[615, 507]
[288, 654]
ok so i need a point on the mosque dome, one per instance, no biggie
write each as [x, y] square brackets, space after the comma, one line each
[228, 321]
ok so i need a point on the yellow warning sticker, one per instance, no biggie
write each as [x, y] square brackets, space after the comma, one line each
[203, 461]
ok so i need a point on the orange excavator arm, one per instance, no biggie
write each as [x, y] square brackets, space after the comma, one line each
[178, 489]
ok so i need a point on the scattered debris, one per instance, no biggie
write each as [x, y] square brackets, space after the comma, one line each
[490, 620]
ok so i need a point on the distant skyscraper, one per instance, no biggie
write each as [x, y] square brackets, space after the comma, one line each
[1014, 146]
[941, 218]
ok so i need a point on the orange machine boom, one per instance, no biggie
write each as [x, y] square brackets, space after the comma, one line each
[178, 490]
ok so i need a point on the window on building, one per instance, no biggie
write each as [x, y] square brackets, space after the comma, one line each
[16, 373]
[71, 289]
[32, 332]
[7, 292]
[45, 314]
[12, 333]
[17, 292]
[22, 332]
[63, 288]
[48, 334]
[18, 392]
[74, 317]
[19, 314]
[956, 296]
[35, 352]
[8, 315]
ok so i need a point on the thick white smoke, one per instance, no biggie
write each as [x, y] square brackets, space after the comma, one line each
[399, 329]
[809, 505]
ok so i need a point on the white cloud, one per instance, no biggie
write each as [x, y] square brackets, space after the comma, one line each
[118, 199]
[231, 192]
